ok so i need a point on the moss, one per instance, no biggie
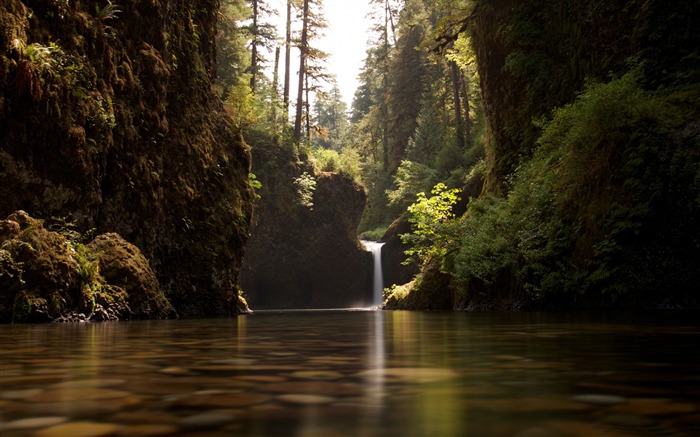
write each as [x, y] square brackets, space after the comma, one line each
[430, 290]
[46, 276]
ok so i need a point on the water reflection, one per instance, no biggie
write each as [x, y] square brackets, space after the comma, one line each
[339, 373]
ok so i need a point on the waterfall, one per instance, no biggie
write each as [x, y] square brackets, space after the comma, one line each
[378, 278]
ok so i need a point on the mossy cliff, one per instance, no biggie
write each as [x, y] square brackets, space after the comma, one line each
[304, 251]
[107, 120]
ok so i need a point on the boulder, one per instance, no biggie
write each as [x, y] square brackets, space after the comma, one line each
[46, 276]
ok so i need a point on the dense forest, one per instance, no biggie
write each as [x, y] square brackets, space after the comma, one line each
[511, 155]
[515, 154]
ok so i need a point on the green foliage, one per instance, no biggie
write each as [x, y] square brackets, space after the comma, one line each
[37, 64]
[110, 11]
[91, 283]
[580, 216]
[346, 162]
[255, 184]
[432, 221]
[326, 159]
[305, 187]
[411, 178]
[375, 234]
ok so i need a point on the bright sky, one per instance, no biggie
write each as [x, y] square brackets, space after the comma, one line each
[345, 40]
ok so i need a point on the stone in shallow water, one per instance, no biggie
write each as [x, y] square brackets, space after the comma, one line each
[79, 429]
[89, 383]
[34, 422]
[78, 393]
[314, 388]
[411, 374]
[150, 429]
[598, 399]
[207, 420]
[627, 420]
[306, 399]
[317, 374]
[175, 371]
[540, 432]
[655, 407]
[19, 394]
[222, 400]
[262, 378]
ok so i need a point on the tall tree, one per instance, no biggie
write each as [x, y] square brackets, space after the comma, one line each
[408, 71]
[311, 69]
[287, 58]
[262, 35]
[231, 44]
[330, 119]
[303, 49]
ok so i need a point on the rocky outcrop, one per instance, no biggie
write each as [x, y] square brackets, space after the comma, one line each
[429, 291]
[45, 276]
[108, 122]
[301, 255]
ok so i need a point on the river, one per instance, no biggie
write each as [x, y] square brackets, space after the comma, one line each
[356, 373]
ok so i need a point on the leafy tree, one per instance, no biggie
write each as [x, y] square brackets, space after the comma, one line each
[432, 220]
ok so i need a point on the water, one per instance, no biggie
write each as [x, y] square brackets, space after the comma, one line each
[356, 373]
[378, 276]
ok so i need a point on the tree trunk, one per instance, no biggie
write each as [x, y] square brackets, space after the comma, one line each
[275, 92]
[307, 109]
[302, 72]
[464, 85]
[287, 58]
[254, 48]
[459, 121]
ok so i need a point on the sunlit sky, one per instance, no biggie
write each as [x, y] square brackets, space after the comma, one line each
[345, 40]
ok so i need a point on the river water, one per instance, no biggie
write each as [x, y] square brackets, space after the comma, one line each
[356, 373]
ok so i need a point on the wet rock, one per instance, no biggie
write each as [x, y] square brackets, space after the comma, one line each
[600, 399]
[33, 422]
[206, 420]
[306, 399]
[79, 429]
[410, 374]
[9, 229]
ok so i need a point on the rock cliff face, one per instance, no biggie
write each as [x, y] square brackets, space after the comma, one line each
[107, 121]
[306, 256]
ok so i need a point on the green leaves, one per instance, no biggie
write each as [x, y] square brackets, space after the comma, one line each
[431, 219]
[306, 186]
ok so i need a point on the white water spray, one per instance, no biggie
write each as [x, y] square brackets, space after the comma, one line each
[378, 277]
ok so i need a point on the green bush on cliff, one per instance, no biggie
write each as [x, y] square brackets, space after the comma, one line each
[594, 209]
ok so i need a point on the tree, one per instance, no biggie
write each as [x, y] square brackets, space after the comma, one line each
[262, 35]
[310, 59]
[330, 119]
[231, 43]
